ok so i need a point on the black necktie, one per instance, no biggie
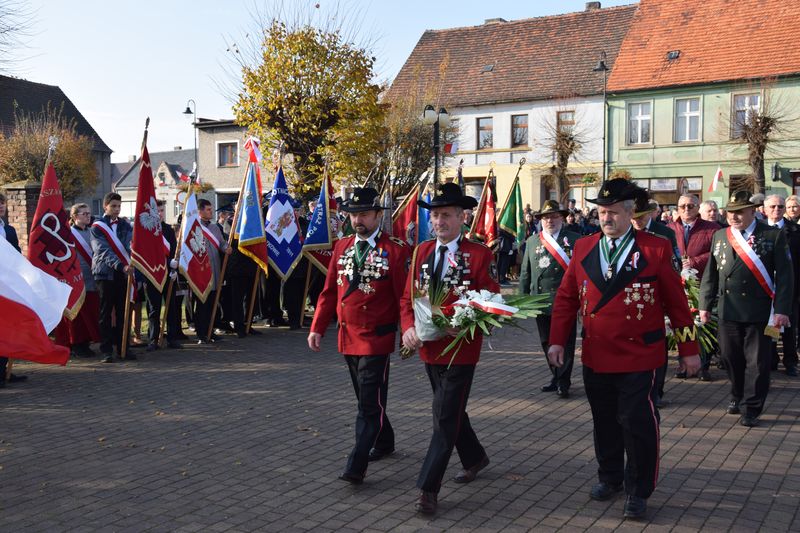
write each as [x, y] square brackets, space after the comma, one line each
[437, 272]
[362, 252]
[612, 266]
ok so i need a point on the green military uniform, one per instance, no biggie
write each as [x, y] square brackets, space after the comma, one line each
[660, 229]
[541, 273]
[744, 308]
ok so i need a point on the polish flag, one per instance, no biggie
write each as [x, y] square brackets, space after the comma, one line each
[36, 301]
[451, 148]
[715, 181]
[183, 177]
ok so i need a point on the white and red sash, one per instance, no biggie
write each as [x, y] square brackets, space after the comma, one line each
[555, 249]
[114, 242]
[210, 236]
[83, 247]
[166, 245]
[751, 259]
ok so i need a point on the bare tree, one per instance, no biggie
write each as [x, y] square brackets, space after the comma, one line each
[16, 23]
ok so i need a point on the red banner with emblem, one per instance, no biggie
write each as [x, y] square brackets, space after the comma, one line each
[52, 247]
[405, 220]
[484, 225]
[147, 246]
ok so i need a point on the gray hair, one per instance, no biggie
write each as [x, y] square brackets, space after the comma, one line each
[693, 197]
[778, 196]
[709, 203]
[629, 204]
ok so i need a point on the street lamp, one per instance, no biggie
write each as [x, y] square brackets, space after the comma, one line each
[431, 118]
[602, 67]
[193, 111]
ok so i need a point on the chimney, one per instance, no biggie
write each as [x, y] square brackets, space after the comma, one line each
[132, 158]
[176, 148]
[496, 20]
[591, 6]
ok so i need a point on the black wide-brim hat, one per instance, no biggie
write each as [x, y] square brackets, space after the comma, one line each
[613, 191]
[363, 199]
[643, 204]
[449, 194]
[740, 200]
[551, 206]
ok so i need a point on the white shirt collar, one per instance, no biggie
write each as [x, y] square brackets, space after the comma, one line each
[647, 226]
[452, 246]
[750, 229]
[619, 239]
[778, 224]
[371, 239]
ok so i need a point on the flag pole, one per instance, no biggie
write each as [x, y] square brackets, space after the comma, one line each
[179, 242]
[251, 307]
[127, 317]
[305, 295]
[224, 267]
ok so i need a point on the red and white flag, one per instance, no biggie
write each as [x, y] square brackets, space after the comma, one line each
[36, 301]
[451, 148]
[52, 246]
[183, 177]
[484, 225]
[194, 262]
[715, 180]
[147, 246]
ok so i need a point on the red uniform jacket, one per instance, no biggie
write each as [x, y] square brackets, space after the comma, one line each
[475, 270]
[700, 237]
[367, 320]
[623, 319]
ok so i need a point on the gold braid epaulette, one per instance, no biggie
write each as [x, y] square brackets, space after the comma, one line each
[686, 333]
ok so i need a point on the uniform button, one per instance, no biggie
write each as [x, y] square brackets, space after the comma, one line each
[592, 315]
[342, 304]
[727, 291]
[342, 324]
[744, 294]
[627, 317]
[364, 307]
[630, 338]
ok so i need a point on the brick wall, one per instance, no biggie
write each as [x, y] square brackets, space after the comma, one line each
[22, 200]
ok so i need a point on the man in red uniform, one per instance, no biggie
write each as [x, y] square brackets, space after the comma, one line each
[623, 282]
[455, 264]
[365, 281]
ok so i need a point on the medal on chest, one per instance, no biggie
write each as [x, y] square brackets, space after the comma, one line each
[373, 265]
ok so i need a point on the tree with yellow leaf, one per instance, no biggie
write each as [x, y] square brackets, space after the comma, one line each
[313, 90]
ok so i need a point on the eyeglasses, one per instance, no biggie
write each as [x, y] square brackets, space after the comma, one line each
[775, 207]
[687, 206]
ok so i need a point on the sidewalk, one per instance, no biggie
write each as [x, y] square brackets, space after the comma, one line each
[251, 434]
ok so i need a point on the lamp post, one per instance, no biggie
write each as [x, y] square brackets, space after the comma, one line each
[602, 67]
[431, 117]
[193, 111]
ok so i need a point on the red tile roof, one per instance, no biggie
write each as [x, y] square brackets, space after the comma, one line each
[719, 40]
[531, 59]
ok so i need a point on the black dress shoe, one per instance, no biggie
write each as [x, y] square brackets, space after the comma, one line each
[427, 502]
[552, 387]
[749, 421]
[241, 334]
[203, 341]
[15, 378]
[563, 393]
[604, 491]
[733, 408]
[182, 337]
[661, 402]
[705, 375]
[468, 475]
[255, 332]
[635, 507]
[681, 374]
[107, 359]
[130, 356]
[174, 345]
[791, 371]
[353, 479]
[152, 347]
[376, 454]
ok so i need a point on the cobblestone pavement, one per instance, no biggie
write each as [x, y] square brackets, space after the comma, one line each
[251, 434]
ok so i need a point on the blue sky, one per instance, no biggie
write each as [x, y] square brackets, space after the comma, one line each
[121, 61]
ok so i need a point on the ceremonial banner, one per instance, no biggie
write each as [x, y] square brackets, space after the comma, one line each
[715, 180]
[283, 235]
[250, 224]
[406, 218]
[147, 246]
[52, 245]
[512, 217]
[484, 225]
[36, 301]
[194, 262]
[323, 228]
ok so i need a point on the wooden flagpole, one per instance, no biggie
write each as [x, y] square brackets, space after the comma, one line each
[305, 295]
[127, 317]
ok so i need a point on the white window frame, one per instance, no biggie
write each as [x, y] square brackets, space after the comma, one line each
[747, 107]
[216, 153]
[640, 118]
[689, 115]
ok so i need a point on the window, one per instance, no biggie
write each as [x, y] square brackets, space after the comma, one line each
[228, 154]
[519, 130]
[485, 136]
[687, 119]
[565, 121]
[639, 123]
[745, 106]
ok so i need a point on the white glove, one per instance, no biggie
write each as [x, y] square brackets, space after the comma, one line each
[173, 275]
[173, 264]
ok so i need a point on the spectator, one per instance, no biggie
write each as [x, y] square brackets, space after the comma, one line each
[793, 208]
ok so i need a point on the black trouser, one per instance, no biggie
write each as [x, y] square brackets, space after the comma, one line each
[112, 301]
[316, 284]
[789, 339]
[625, 423]
[503, 264]
[451, 426]
[370, 376]
[271, 296]
[154, 299]
[202, 315]
[293, 289]
[661, 373]
[561, 376]
[239, 287]
[746, 352]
